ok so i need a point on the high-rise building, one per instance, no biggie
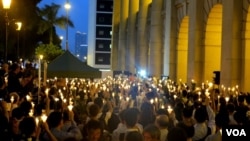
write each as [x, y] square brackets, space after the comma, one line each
[81, 46]
[99, 34]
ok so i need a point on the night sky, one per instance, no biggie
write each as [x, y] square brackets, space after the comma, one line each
[78, 14]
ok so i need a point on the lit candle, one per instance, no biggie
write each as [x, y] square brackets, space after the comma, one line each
[170, 109]
[70, 107]
[227, 99]
[37, 121]
[28, 97]
[156, 100]
[162, 106]
[127, 98]
[12, 99]
[44, 117]
[175, 96]
[47, 92]
[33, 105]
[207, 93]
[31, 113]
[64, 100]
[151, 101]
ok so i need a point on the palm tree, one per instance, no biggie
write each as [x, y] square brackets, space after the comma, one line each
[50, 19]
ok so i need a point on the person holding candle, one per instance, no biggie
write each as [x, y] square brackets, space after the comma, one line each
[204, 125]
[55, 122]
[29, 130]
[147, 114]
[69, 125]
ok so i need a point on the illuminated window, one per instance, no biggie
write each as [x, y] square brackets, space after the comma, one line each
[100, 46]
[101, 32]
[101, 19]
[102, 6]
[100, 59]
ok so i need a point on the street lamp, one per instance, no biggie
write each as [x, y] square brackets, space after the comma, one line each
[39, 77]
[19, 26]
[6, 6]
[67, 6]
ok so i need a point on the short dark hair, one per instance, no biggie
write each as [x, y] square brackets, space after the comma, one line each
[200, 115]
[133, 136]
[177, 134]
[153, 130]
[131, 116]
[54, 119]
[27, 126]
[94, 124]
[99, 101]
[93, 110]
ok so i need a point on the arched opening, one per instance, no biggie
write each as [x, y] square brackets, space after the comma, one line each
[246, 56]
[213, 35]
[182, 50]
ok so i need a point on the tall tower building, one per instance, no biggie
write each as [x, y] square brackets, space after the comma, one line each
[99, 34]
[81, 46]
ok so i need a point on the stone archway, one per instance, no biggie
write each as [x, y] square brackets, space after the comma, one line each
[246, 53]
[182, 50]
[212, 46]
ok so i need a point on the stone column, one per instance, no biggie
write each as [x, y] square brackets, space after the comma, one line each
[170, 37]
[196, 36]
[155, 65]
[115, 35]
[142, 35]
[231, 43]
[131, 35]
[122, 34]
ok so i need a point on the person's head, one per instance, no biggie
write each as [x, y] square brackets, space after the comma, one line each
[188, 129]
[99, 102]
[121, 115]
[177, 134]
[94, 130]
[151, 133]
[221, 120]
[27, 76]
[230, 107]
[66, 116]
[5, 67]
[93, 110]
[134, 136]
[26, 106]
[27, 126]
[200, 115]
[131, 117]
[241, 98]
[15, 68]
[162, 121]
[55, 119]
[187, 112]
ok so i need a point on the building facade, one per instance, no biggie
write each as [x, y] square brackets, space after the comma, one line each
[183, 39]
[99, 33]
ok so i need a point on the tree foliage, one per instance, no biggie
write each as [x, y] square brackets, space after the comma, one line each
[49, 51]
[50, 19]
[34, 20]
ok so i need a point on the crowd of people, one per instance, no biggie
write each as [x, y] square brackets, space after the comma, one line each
[120, 108]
